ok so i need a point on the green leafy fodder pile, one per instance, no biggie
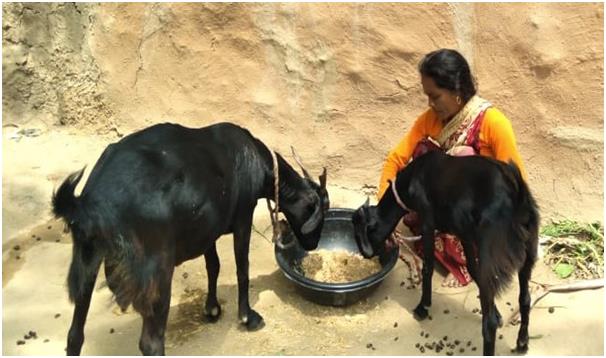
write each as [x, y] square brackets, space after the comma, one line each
[574, 249]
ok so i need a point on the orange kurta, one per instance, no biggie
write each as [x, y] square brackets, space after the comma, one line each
[496, 141]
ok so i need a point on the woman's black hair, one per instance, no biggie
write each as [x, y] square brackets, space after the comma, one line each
[449, 70]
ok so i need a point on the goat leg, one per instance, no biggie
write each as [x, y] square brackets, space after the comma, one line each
[212, 308]
[421, 312]
[75, 337]
[154, 324]
[81, 280]
[248, 317]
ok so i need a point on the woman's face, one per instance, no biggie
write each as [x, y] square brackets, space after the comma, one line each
[442, 101]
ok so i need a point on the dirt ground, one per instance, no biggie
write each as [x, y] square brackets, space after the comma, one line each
[35, 262]
[339, 82]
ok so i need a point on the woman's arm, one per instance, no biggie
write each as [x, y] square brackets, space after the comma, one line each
[501, 139]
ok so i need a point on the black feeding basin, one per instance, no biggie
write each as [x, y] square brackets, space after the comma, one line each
[337, 234]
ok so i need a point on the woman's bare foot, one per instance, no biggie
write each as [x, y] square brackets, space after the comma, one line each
[451, 281]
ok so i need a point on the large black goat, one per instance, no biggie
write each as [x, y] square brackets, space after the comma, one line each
[164, 195]
[486, 204]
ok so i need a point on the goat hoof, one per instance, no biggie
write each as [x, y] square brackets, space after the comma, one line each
[212, 314]
[254, 321]
[74, 343]
[522, 347]
[72, 351]
[420, 313]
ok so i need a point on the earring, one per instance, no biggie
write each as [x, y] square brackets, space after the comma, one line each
[458, 99]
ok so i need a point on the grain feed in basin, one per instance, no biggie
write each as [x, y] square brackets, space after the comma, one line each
[338, 266]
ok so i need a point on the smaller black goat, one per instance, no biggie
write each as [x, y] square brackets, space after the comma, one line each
[486, 204]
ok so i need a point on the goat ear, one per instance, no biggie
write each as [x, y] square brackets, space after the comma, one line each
[314, 220]
[372, 222]
[371, 217]
[323, 178]
[360, 221]
[367, 202]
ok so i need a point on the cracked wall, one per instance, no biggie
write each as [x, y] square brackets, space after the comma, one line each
[49, 75]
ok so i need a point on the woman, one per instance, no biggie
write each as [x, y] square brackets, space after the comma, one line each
[459, 122]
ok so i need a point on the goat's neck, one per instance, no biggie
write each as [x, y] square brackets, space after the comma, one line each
[288, 180]
[389, 212]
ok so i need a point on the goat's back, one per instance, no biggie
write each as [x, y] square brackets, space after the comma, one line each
[454, 186]
[168, 172]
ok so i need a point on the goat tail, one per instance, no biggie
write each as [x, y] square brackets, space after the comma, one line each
[509, 245]
[526, 215]
[86, 256]
[65, 202]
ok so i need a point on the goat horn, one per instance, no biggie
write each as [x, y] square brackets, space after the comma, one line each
[323, 178]
[298, 160]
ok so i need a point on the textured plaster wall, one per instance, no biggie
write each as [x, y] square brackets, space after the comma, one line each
[337, 81]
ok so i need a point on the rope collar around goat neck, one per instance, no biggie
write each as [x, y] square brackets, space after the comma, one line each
[395, 194]
[273, 212]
